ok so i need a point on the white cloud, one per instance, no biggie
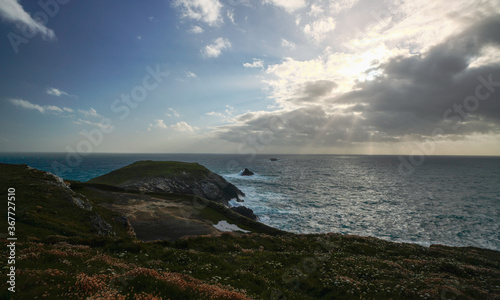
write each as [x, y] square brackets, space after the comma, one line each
[227, 115]
[56, 92]
[43, 109]
[173, 113]
[257, 63]
[341, 6]
[207, 11]
[287, 44]
[158, 123]
[53, 108]
[102, 125]
[319, 29]
[90, 113]
[27, 105]
[215, 49]
[182, 127]
[316, 10]
[12, 11]
[195, 29]
[288, 5]
[215, 114]
[190, 74]
[230, 15]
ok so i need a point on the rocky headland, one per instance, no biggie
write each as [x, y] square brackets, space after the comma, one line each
[172, 177]
[127, 236]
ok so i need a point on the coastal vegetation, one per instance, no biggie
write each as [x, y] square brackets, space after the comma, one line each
[77, 240]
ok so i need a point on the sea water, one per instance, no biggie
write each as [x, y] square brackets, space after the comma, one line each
[447, 200]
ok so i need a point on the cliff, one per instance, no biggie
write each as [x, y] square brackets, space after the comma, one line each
[46, 204]
[172, 177]
[61, 252]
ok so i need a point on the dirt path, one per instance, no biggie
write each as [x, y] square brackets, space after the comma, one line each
[159, 219]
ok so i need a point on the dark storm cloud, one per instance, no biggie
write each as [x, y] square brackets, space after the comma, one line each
[424, 88]
[414, 96]
[303, 126]
[315, 89]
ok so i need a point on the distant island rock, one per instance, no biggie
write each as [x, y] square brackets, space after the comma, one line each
[247, 172]
[172, 177]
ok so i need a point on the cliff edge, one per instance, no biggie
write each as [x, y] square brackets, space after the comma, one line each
[172, 177]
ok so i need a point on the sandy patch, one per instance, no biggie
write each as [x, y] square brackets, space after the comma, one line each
[225, 226]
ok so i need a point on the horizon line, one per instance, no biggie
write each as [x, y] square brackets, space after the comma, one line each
[258, 154]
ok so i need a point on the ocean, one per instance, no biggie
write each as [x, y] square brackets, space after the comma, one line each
[446, 200]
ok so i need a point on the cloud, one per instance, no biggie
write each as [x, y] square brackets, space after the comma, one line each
[190, 74]
[288, 44]
[12, 11]
[42, 109]
[158, 124]
[433, 94]
[207, 11]
[257, 63]
[415, 93]
[102, 125]
[338, 6]
[316, 10]
[319, 29]
[173, 113]
[286, 81]
[230, 16]
[288, 5]
[182, 127]
[57, 92]
[195, 29]
[227, 115]
[215, 49]
[90, 113]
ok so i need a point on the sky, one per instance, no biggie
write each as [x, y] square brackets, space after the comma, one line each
[249, 77]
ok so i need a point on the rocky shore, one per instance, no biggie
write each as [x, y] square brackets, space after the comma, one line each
[110, 239]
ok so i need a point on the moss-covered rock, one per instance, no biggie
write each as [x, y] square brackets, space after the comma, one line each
[172, 177]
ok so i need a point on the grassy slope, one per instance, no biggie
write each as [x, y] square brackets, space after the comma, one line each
[68, 262]
[148, 169]
[42, 207]
[193, 206]
[258, 266]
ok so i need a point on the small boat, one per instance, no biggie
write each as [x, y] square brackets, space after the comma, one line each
[274, 159]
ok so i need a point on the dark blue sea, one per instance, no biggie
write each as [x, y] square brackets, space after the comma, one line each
[444, 200]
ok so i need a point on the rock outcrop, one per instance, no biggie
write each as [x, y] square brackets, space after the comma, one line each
[245, 211]
[172, 177]
[246, 172]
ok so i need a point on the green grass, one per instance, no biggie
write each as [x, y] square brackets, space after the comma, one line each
[151, 169]
[45, 209]
[256, 265]
[58, 256]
